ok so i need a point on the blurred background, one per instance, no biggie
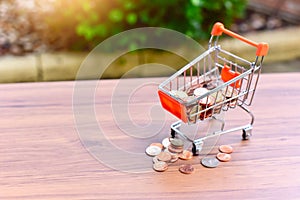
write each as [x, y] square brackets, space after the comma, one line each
[47, 40]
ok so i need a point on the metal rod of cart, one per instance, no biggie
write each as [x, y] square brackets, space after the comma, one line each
[214, 82]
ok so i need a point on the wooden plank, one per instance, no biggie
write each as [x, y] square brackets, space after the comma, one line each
[42, 157]
[288, 10]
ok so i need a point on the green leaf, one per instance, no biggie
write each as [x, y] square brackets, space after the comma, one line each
[131, 18]
[116, 15]
[101, 30]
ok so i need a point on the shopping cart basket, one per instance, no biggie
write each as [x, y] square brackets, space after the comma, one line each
[215, 81]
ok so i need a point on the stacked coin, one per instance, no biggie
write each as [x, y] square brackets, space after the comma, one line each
[179, 94]
[176, 146]
[192, 88]
[194, 109]
[230, 92]
[211, 85]
[206, 103]
[218, 98]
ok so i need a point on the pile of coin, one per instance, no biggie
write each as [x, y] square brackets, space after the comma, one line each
[169, 151]
[176, 146]
[200, 108]
[172, 149]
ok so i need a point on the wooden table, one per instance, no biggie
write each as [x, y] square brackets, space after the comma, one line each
[42, 155]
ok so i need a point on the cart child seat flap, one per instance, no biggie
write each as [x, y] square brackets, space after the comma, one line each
[227, 74]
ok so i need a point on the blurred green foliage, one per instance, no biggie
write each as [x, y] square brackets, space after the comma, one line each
[85, 23]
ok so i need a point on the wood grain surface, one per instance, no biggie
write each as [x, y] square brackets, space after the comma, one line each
[42, 155]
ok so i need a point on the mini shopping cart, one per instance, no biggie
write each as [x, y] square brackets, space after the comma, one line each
[214, 82]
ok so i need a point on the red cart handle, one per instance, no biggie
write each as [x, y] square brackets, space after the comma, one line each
[262, 48]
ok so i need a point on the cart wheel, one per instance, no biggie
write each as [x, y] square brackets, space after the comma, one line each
[173, 133]
[194, 150]
[246, 134]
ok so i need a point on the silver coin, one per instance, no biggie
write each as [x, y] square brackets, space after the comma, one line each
[179, 94]
[177, 142]
[160, 166]
[153, 150]
[218, 96]
[229, 92]
[200, 91]
[210, 162]
[166, 142]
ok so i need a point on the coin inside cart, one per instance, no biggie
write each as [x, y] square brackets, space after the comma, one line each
[200, 91]
[204, 90]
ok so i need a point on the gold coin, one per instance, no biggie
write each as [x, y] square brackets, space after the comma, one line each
[186, 155]
[224, 157]
[186, 169]
[226, 149]
[218, 96]
[164, 156]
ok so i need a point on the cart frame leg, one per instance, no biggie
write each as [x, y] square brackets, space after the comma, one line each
[198, 143]
[247, 130]
[175, 129]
